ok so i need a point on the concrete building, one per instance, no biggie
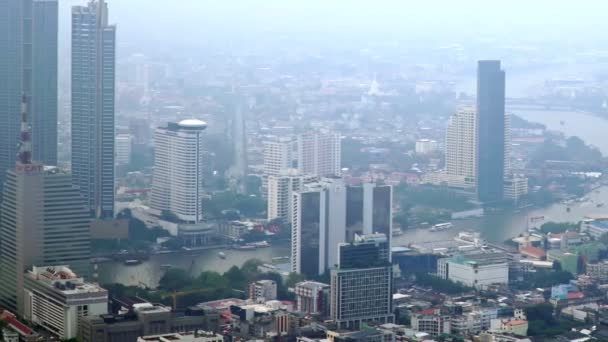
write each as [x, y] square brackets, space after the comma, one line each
[124, 144]
[362, 283]
[460, 149]
[365, 335]
[312, 297]
[598, 270]
[281, 188]
[511, 326]
[595, 227]
[491, 138]
[475, 270]
[279, 155]
[177, 184]
[425, 146]
[28, 66]
[262, 320]
[328, 213]
[143, 320]
[319, 153]
[33, 235]
[93, 102]
[195, 336]
[473, 322]
[515, 187]
[263, 290]
[434, 324]
[460, 152]
[56, 299]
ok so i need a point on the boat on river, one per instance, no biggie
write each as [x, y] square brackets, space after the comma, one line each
[132, 262]
[441, 227]
[221, 255]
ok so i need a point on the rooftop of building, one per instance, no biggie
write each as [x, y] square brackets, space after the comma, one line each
[481, 259]
[311, 284]
[63, 279]
[193, 336]
[533, 251]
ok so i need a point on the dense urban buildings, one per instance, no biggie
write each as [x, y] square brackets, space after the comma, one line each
[362, 283]
[57, 299]
[28, 66]
[490, 131]
[93, 105]
[328, 213]
[179, 167]
[263, 290]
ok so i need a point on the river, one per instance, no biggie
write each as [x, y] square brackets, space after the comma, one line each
[494, 227]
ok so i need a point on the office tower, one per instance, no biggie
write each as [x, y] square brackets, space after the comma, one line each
[177, 184]
[460, 149]
[124, 144]
[43, 221]
[28, 65]
[490, 131]
[56, 299]
[93, 87]
[327, 213]
[361, 287]
[319, 153]
[280, 193]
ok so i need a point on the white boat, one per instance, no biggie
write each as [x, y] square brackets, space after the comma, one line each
[397, 232]
[442, 226]
[222, 255]
[166, 266]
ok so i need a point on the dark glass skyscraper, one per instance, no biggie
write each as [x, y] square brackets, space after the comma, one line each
[28, 66]
[93, 78]
[490, 131]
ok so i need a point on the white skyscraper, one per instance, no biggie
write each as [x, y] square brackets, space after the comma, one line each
[460, 145]
[177, 185]
[319, 153]
[280, 193]
[278, 156]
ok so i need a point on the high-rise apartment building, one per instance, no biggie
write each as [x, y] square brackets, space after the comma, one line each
[319, 153]
[93, 88]
[312, 297]
[278, 155]
[44, 221]
[327, 213]
[280, 193]
[362, 283]
[177, 184]
[491, 123]
[28, 65]
[124, 145]
[460, 149]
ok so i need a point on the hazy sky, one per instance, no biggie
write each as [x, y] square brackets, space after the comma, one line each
[194, 20]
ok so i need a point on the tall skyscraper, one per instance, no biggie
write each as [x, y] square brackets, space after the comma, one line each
[490, 131]
[328, 213]
[177, 185]
[361, 287]
[320, 153]
[460, 149]
[28, 65]
[93, 83]
[44, 221]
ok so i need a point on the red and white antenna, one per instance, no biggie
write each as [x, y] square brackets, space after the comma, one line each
[25, 148]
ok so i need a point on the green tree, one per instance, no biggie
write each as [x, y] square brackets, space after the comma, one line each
[558, 227]
[236, 278]
[294, 278]
[211, 280]
[175, 279]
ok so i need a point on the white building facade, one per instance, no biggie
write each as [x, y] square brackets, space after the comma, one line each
[123, 148]
[478, 271]
[177, 184]
[280, 193]
[320, 153]
[56, 299]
